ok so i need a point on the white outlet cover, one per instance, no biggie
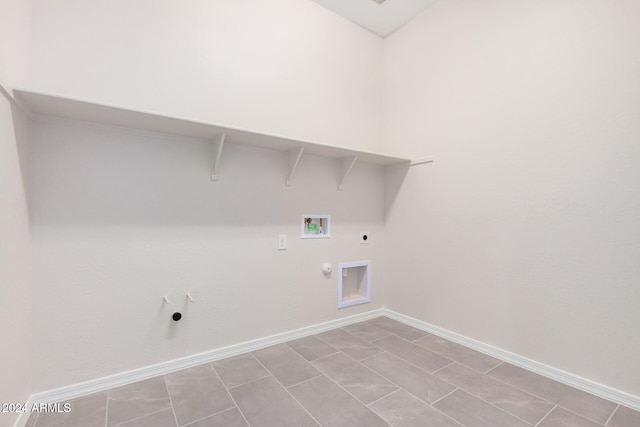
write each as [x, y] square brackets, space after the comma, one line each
[282, 242]
[365, 237]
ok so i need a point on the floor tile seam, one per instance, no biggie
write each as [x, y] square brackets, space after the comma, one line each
[324, 357]
[582, 415]
[231, 395]
[413, 394]
[554, 402]
[502, 409]
[312, 360]
[446, 356]
[305, 381]
[173, 410]
[456, 388]
[385, 396]
[445, 366]
[374, 371]
[358, 400]
[352, 335]
[324, 340]
[286, 390]
[413, 364]
[500, 361]
[143, 416]
[502, 383]
[546, 415]
[274, 375]
[438, 410]
[612, 414]
[369, 357]
[106, 411]
[269, 374]
[371, 340]
[208, 416]
[421, 400]
[106, 416]
[423, 348]
[370, 370]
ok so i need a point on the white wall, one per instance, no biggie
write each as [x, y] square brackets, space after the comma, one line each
[121, 218]
[15, 261]
[525, 233]
[15, 42]
[15, 241]
[285, 67]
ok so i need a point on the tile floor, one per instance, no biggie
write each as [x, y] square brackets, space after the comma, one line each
[375, 373]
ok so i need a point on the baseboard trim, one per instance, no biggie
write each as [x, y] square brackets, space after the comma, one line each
[117, 380]
[589, 386]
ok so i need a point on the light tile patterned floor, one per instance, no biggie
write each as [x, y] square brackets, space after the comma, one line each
[375, 373]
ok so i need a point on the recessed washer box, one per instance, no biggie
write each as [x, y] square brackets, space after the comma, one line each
[315, 226]
[354, 283]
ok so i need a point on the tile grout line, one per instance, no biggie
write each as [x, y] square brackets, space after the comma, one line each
[454, 385]
[495, 367]
[386, 395]
[245, 383]
[439, 353]
[323, 357]
[143, 416]
[358, 400]
[317, 358]
[229, 393]
[369, 341]
[497, 407]
[286, 390]
[490, 403]
[372, 371]
[173, 410]
[416, 366]
[547, 414]
[554, 403]
[612, 414]
[445, 366]
[350, 334]
[445, 396]
[106, 412]
[209, 416]
[305, 381]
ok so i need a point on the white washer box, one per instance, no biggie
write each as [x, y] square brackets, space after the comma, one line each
[354, 283]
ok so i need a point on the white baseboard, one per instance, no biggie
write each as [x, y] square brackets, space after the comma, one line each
[597, 389]
[117, 380]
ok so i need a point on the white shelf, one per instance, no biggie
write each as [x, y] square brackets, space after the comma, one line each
[59, 106]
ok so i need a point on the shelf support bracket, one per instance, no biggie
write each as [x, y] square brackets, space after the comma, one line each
[345, 168]
[218, 143]
[421, 161]
[293, 158]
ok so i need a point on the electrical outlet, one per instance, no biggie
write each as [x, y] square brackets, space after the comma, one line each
[282, 242]
[365, 237]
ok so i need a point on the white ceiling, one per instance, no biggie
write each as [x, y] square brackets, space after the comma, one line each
[382, 19]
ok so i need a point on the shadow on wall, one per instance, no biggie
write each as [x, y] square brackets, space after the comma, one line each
[21, 128]
[89, 174]
[393, 179]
